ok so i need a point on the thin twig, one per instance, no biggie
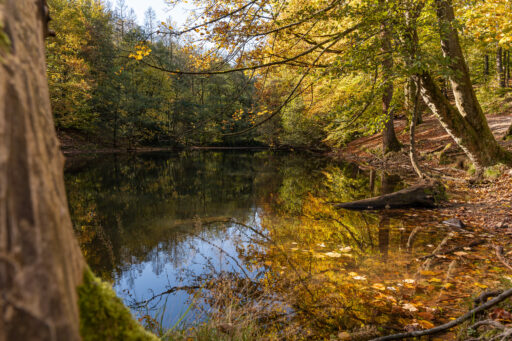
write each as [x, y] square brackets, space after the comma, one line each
[451, 324]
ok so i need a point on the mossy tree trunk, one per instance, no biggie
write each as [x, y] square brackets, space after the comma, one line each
[467, 125]
[482, 150]
[40, 261]
[47, 292]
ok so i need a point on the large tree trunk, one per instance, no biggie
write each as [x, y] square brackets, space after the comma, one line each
[482, 150]
[389, 141]
[40, 260]
[473, 118]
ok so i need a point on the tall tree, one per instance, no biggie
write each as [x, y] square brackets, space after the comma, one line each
[389, 141]
[47, 291]
[468, 126]
[40, 262]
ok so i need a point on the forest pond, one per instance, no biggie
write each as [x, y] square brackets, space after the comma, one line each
[172, 231]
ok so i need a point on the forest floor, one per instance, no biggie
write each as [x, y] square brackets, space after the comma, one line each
[484, 208]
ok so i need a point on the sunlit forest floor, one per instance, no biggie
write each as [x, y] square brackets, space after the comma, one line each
[436, 149]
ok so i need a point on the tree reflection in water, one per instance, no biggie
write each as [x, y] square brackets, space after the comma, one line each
[254, 229]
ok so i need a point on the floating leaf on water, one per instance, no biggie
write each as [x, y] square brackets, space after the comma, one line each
[345, 249]
[410, 307]
[360, 278]
[435, 280]
[409, 281]
[379, 286]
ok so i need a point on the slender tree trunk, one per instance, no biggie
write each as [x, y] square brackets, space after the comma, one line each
[507, 68]
[410, 101]
[389, 141]
[486, 65]
[499, 67]
[412, 131]
[471, 118]
[40, 261]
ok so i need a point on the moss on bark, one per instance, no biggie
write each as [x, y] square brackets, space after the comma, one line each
[103, 316]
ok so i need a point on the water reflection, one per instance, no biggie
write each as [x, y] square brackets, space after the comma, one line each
[145, 221]
[153, 223]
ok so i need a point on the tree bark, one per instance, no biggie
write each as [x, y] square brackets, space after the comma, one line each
[40, 260]
[410, 101]
[389, 141]
[412, 131]
[486, 65]
[471, 116]
[483, 150]
[499, 67]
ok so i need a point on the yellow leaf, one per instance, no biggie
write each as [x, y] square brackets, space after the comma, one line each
[481, 286]
[425, 324]
[447, 285]
[379, 286]
[435, 280]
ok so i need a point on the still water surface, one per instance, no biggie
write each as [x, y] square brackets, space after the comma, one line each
[153, 222]
[137, 217]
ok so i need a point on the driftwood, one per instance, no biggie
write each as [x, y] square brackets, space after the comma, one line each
[424, 195]
[451, 324]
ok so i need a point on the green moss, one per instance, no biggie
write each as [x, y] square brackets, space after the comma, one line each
[5, 43]
[103, 316]
[438, 192]
[495, 171]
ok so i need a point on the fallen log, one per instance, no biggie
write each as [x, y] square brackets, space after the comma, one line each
[423, 195]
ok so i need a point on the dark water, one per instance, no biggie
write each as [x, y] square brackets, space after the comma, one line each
[150, 223]
[137, 217]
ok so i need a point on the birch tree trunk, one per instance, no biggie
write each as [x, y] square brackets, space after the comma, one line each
[40, 261]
